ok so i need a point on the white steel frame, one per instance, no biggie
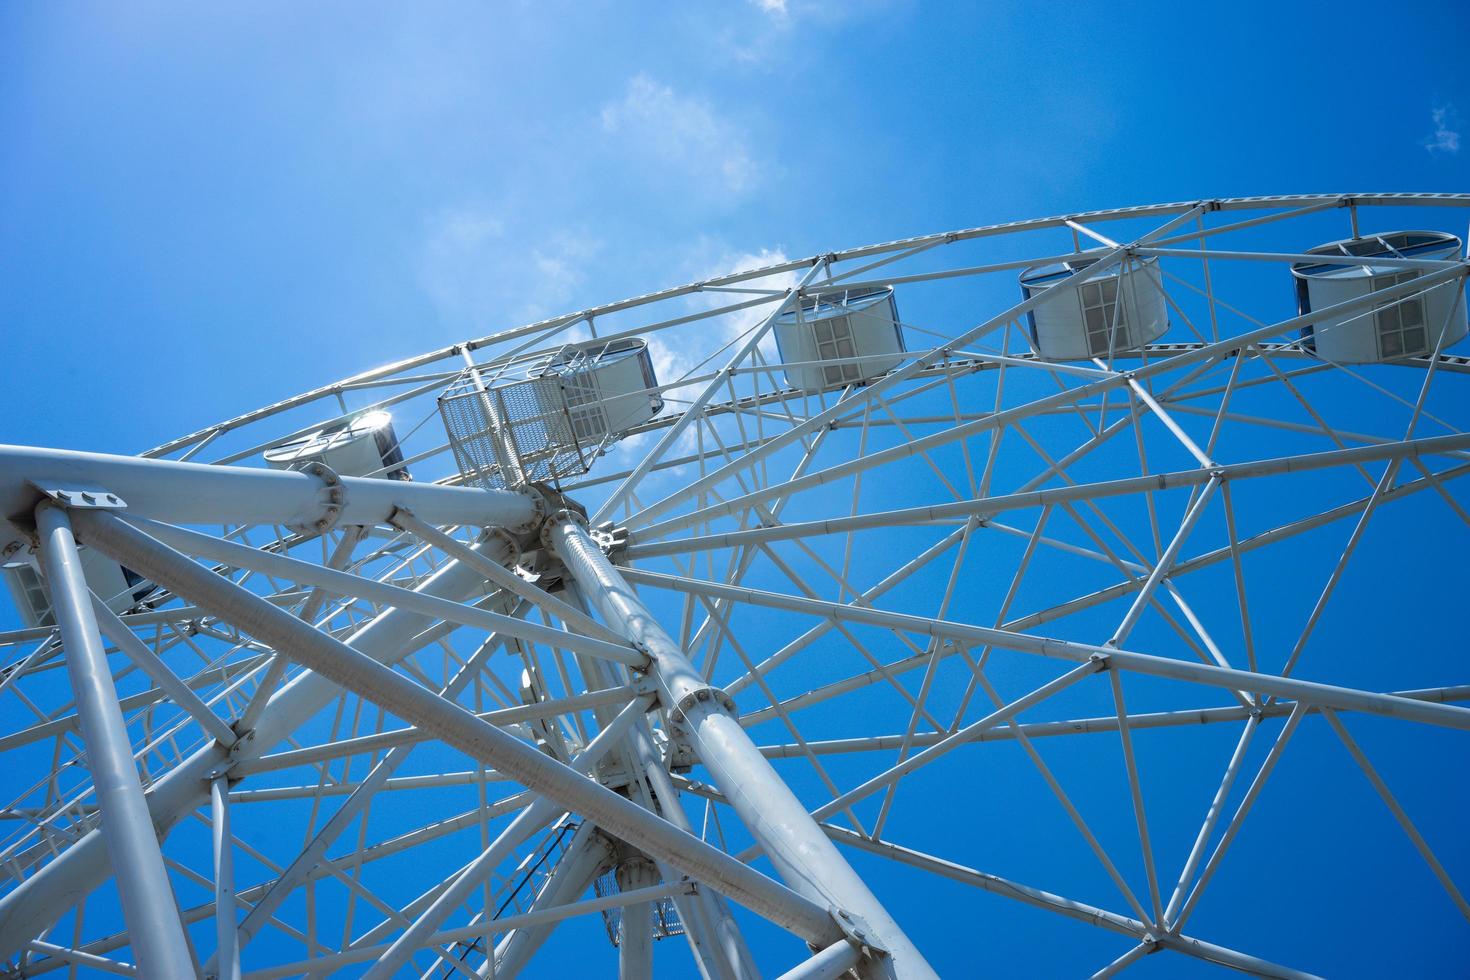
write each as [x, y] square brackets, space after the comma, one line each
[613, 661]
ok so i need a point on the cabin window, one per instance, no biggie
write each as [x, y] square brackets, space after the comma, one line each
[35, 595]
[834, 340]
[1099, 307]
[584, 407]
[1401, 323]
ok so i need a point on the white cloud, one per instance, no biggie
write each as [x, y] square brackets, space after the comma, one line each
[1446, 137]
[672, 359]
[483, 275]
[674, 356]
[776, 8]
[681, 133]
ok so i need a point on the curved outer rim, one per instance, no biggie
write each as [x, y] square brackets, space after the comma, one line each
[1447, 240]
[981, 231]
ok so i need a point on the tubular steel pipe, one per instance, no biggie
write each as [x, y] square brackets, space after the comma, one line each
[1312, 692]
[333, 659]
[795, 843]
[635, 953]
[644, 545]
[829, 964]
[41, 899]
[226, 927]
[531, 819]
[197, 493]
[157, 937]
[345, 583]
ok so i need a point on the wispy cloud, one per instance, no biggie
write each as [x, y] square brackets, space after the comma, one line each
[484, 274]
[776, 8]
[682, 133]
[672, 359]
[1446, 136]
[672, 354]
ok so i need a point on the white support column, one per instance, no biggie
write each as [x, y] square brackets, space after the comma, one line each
[157, 937]
[714, 939]
[32, 907]
[829, 964]
[331, 658]
[227, 949]
[802, 854]
[635, 954]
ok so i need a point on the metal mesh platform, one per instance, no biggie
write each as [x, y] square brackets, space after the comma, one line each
[666, 921]
[540, 418]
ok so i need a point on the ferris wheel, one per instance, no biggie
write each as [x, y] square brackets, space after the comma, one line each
[1069, 584]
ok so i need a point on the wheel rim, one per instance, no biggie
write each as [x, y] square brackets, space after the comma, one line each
[1243, 488]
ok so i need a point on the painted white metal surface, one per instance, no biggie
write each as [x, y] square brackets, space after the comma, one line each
[909, 476]
[840, 338]
[1415, 326]
[364, 446]
[104, 576]
[1113, 314]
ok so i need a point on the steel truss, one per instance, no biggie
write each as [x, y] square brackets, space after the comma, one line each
[771, 625]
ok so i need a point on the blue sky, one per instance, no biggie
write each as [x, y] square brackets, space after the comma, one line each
[204, 211]
[294, 192]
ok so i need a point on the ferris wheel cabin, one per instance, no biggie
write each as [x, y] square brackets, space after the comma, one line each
[1119, 311]
[364, 446]
[1407, 327]
[550, 416]
[609, 387]
[841, 339]
[119, 588]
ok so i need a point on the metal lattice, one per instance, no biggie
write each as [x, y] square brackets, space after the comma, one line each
[665, 921]
[1137, 587]
[531, 418]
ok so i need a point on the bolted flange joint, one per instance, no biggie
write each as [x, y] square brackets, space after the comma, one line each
[611, 539]
[541, 507]
[81, 496]
[548, 540]
[703, 695]
[513, 547]
[857, 931]
[332, 500]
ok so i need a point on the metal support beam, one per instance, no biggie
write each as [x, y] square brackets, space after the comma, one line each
[329, 657]
[137, 864]
[41, 899]
[345, 583]
[829, 964]
[168, 682]
[196, 493]
[644, 545]
[1310, 692]
[227, 933]
[526, 823]
[357, 954]
[775, 817]
[635, 951]
[1079, 911]
[587, 854]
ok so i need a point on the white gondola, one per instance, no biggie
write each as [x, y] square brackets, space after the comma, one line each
[818, 343]
[549, 417]
[364, 446]
[1119, 311]
[609, 388]
[1394, 330]
[120, 588]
